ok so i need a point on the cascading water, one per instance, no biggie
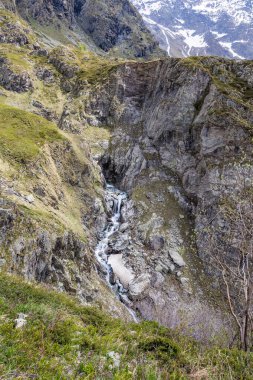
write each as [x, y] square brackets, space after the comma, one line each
[115, 198]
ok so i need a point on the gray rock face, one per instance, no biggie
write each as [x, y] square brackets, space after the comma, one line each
[177, 259]
[108, 24]
[41, 110]
[181, 136]
[59, 259]
[8, 4]
[118, 242]
[18, 82]
[14, 34]
[45, 259]
[115, 24]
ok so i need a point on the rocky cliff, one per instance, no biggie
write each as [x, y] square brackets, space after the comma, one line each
[181, 146]
[174, 134]
[105, 26]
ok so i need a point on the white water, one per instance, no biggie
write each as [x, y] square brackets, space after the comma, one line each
[115, 198]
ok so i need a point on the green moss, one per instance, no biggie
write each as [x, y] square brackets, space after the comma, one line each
[17, 57]
[18, 60]
[88, 66]
[22, 134]
[44, 218]
[8, 16]
[96, 70]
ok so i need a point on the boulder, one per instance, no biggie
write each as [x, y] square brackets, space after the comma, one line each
[177, 258]
[139, 285]
[118, 242]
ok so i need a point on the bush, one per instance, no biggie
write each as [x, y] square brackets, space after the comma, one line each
[161, 348]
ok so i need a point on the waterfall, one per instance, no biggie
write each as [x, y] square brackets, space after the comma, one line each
[115, 198]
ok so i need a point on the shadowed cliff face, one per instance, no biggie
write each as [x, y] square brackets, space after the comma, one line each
[181, 137]
[111, 25]
[116, 24]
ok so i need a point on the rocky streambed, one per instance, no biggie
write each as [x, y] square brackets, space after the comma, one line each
[109, 249]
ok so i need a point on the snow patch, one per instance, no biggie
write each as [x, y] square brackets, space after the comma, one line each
[218, 35]
[193, 40]
[228, 46]
[216, 8]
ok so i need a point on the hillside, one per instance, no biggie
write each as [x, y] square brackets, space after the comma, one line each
[61, 339]
[126, 195]
[111, 26]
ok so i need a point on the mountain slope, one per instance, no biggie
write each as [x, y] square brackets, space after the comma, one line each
[113, 26]
[201, 27]
[61, 339]
[176, 136]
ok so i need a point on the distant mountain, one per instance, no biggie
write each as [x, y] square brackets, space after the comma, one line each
[201, 27]
[110, 26]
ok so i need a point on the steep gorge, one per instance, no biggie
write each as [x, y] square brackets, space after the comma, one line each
[181, 146]
[174, 134]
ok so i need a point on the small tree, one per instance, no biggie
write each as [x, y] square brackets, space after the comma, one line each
[232, 254]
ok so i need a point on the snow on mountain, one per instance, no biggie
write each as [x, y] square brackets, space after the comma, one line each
[233, 8]
[201, 27]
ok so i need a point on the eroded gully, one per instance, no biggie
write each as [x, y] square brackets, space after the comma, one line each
[112, 263]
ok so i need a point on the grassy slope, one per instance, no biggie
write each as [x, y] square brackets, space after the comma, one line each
[64, 340]
[23, 133]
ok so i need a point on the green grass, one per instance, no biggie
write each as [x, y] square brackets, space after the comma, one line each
[64, 340]
[22, 134]
[89, 67]
[17, 57]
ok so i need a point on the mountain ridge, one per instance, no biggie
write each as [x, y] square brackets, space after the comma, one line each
[200, 27]
[114, 26]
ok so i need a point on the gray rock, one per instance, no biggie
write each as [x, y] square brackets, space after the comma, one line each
[124, 227]
[118, 242]
[11, 81]
[21, 321]
[139, 285]
[177, 258]
[184, 280]
[157, 242]
[115, 356]
[159, 268]
[29, 198]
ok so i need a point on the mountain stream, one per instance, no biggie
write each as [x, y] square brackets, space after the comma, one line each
[117, 275]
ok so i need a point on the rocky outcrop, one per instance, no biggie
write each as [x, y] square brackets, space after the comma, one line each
[13, 33]
[59, 259]
[116, 24]
[182, 135]
[8, 4]
[18, 82]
